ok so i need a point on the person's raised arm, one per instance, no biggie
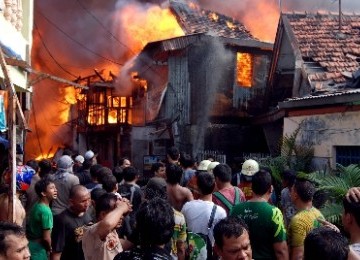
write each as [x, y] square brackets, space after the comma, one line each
[354, 193]
[109, 222]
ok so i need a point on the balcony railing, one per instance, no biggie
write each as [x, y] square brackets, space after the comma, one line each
[12, 11]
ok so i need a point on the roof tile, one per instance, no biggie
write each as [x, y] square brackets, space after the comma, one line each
[319, 39]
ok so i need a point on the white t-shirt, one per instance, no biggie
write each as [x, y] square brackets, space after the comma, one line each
[356, 248]
[197, 214]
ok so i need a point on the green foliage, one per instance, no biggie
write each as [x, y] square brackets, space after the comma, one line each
[336, 184]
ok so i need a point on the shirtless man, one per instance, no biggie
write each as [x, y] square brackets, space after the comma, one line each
[177, 194]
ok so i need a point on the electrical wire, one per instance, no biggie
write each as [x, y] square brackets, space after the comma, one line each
[77, 42]
[104, 27]
[147, 67]
[48, 51]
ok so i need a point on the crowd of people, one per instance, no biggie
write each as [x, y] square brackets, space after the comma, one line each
[185, 210]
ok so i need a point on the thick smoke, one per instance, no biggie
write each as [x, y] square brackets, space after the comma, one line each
[72, 38]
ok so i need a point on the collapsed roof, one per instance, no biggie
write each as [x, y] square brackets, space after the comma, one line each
[193, 20]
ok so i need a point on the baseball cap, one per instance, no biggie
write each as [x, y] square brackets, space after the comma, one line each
[65, 162]
[79, 159]
[89, 155]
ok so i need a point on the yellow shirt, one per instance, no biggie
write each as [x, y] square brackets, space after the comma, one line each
[301, 224]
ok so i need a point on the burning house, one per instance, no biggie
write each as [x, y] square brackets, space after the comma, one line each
[202, 88]
[196, 91]
[314, 80]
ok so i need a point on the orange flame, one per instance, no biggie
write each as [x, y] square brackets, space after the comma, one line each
[194, 6]
[244, 69]
[213, 16]
[230, 25]
[264, 28]
[143, 26]
[45, 156]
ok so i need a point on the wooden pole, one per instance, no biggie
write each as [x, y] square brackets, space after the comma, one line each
[11, 136]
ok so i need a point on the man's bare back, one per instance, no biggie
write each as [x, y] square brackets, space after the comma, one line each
[178, 195]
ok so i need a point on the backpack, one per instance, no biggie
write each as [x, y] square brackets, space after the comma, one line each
[199, 245]
[128, 223]
[225, 201]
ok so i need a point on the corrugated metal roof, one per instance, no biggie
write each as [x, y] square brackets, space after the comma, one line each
[325, 95]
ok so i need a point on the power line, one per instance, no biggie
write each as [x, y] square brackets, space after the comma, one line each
[148, 67]
[104, 27]
[79, 43]
[48, 51]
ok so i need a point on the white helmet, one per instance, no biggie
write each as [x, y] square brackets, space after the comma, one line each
[203, 165]
[211, 166]
[250, 167]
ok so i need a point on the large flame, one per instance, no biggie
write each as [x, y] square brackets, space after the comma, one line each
[264, 28]
[244, 69]
[148, 25]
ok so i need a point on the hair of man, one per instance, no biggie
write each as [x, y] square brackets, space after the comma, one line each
[353, 208]
[231, 226]
[6, 229]
[155, 222]
[173, 153]
[173, 174]
[94, 171]
[325, 243]
[156, 166]
[109, 183]
[289, 176]
[33, 164]
[105, 203]
[41, 186]
[130, 173]
[222, 171]
[187, 161]
[206, 183]
[305, 189]
[45, 167]
[261, 182]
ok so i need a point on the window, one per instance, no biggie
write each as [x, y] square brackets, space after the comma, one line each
[244, 69]
[346, 155]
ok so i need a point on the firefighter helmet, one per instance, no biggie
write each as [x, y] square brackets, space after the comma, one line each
[250, 167]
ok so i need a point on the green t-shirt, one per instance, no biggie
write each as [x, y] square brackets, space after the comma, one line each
[40, 219]
[266, 226]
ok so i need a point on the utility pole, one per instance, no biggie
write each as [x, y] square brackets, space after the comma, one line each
[11, 115]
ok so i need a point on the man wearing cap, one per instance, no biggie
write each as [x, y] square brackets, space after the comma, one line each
[64, 180]
[244, 179]
[192, 183]
[90, 156]
[78, 162]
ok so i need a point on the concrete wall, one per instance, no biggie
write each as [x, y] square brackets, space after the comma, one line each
[18, 40]
[325, 132]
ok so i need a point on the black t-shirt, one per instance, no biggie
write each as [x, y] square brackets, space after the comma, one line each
[133, 193]
[67, 234]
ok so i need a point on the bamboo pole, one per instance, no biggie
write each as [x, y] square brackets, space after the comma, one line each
[11, 136]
